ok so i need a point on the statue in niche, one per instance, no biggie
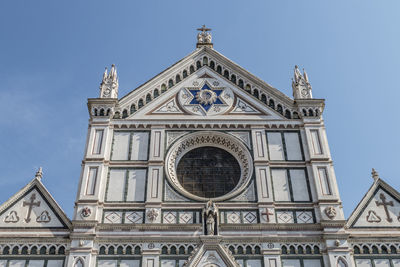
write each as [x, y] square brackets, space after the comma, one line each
[210, 217]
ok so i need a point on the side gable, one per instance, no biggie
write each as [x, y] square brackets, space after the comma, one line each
[379, 208]
[33, 207]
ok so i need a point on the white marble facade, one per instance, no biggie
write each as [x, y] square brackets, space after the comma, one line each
[145, 195]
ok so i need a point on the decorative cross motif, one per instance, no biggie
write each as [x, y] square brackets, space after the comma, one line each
[266, 214]
[30, 205]
[204, 29]
[385, 206]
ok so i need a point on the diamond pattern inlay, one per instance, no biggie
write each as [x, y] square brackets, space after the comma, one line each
[169, 217]
[112, 217]
[186, 217]
[233, 217]
[304, 217]
[285, 217]
[134, 217]
[249, 217]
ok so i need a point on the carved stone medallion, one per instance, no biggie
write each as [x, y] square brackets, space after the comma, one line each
[330, 212]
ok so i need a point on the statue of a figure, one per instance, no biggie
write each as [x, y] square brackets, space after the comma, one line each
[210, 214]
[210, 224]
[200, 37]
[207, 38]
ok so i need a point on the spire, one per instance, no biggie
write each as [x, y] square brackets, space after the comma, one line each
[374, 174]
[300, 84]
[204, 37]
[109, 83]
[39, 173]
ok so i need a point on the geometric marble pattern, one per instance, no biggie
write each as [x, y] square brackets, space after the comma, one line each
[134, 217]
[304, 217]
[284, 217]
[169, 217]
[112, 217]
[236, 217]
[233, 217]
[186, 217]
[250, 217]
[294, 216]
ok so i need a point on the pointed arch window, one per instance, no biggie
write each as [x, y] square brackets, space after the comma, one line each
[148, 98]
[156, 93]
[140, 103]
[170, 83]
[264, 98]
[133, 108]
[255, 93]
[219, 69]
[226, 74]
[177, 78]
[184, 74]
[191, 69]
[163, 88]
[271, 104]
[279, 108]
[233, 78]
[205, 61]
[198, 64]
[212, 64]
[241, 83]
[124, 113]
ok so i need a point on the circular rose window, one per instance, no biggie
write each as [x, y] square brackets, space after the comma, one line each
[208, 165]
[208, 172]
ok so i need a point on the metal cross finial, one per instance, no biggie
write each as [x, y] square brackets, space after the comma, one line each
[204, 29]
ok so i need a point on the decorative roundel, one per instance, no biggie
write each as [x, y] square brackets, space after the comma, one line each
[209, 165]
[204, 99]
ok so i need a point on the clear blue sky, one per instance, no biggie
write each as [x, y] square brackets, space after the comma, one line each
[53, 54]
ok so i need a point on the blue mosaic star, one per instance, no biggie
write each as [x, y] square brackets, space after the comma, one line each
[207, 97]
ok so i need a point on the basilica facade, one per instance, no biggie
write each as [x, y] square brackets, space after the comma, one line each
[203, 165]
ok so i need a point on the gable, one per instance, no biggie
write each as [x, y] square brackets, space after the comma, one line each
[32, 207]
[206, 95]
[211, 254]
[206, 63]
[379, 208]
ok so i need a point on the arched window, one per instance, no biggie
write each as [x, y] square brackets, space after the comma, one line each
[170, 83]
[232, 250]
[173, 250]
[375, 250]
[61, 250]
[295, 115]
[164, 250]
[52, 250]
[205, 61]
[124, 113]
[184, 74]
[15, 250]
[120, 250]
[133, 108]
[95, 111]
[316, 250]
[393, 250]
[163, 88]
[34, 250]
[181, 250]
[110, 251]
[255, 93]
[140, 103]
[198, 64]
[384, 250]
[271, 104]
[310, 112]
[240, 250]
[264, 98]
[108, 112]
[24, 250]
[102, 112]
[219, 69]
[102, 250]
[287, 114]
[190, 249]
[300, 250]
[233, 78]
[42, 250]
[241, 84]
[284, 250]
[292, 250]
[279, 108]
[148, 98]
[357, 250]
[365, 250]
[177, 78]
[304, 112]
[191, 69]
[308, 250]
[226, 74]
[128, 250]
[212, 64]
[257, 250]
[156, 93]
[248, 250]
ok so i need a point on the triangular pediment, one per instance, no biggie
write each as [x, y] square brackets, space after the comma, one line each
[205, 95]
[380, 208]
[163, 93]
[210, 254]
[33, 207]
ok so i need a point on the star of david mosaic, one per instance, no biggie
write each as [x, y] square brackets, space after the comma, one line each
[205, 99]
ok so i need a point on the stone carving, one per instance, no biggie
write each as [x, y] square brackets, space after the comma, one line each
[330, 212]
[373, 217]
[385, 205]
[243, 107]
[44, 217]
[204, 37]
[169, 107]
[30, 205]
[300, 84]
[86, 212]
[12, 217]
[206, 138]
[210, 214]
[152, 214]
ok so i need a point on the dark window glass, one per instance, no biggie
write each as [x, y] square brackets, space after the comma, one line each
[208, 172]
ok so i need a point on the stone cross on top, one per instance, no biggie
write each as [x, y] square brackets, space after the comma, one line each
[204, 37]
